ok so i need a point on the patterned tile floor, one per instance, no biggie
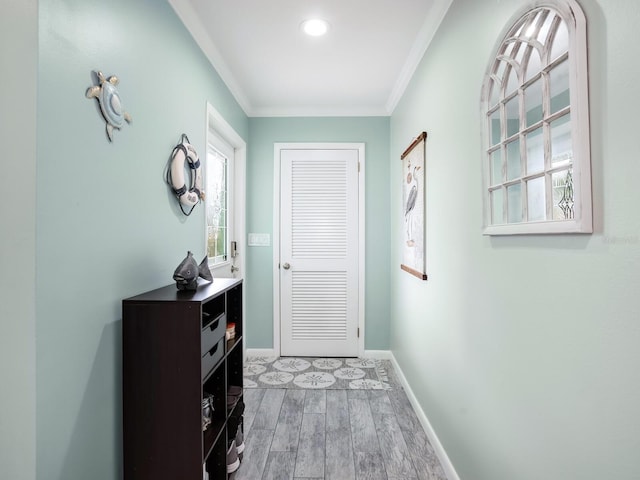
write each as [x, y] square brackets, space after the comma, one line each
[334, 434]
[314, 373]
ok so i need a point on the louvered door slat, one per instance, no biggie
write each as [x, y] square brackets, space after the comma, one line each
[318, 208]
[319, 310]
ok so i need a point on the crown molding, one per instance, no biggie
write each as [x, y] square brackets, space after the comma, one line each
[320, 111]
[423, 40]
[192, 22]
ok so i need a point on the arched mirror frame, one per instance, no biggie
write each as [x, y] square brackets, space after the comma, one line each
[536, 154]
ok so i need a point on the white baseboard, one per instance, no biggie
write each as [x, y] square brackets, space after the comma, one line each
[260, 352]
[379, 354]
[270, 352]
[447, 466]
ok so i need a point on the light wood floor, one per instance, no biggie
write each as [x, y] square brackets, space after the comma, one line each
[334, 434]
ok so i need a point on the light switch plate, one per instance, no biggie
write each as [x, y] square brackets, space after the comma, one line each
[259, 240]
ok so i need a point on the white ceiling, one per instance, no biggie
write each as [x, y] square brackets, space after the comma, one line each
[361, 67]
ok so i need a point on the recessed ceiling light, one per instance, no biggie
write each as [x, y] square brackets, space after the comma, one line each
[315, 27]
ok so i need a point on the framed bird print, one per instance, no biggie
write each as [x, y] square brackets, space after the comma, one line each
[413, 208]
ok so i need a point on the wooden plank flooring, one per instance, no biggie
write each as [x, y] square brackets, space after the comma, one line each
[295, 434]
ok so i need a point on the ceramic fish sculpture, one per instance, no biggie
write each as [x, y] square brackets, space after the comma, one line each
[187, 273]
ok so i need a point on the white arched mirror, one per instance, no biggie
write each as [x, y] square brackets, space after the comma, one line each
[537, 175]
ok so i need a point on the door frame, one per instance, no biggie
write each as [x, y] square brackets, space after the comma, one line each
[277, 148]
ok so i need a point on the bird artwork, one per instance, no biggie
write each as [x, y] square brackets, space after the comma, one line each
[412, 186]
[413, 196]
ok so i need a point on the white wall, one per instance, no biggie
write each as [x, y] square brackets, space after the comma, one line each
[18, 57]
[523, 351]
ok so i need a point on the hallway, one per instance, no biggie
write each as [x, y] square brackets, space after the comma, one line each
[334, 434]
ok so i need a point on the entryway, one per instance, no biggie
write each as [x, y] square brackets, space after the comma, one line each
[319, 249]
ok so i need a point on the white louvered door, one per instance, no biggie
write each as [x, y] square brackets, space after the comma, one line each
[319, 252]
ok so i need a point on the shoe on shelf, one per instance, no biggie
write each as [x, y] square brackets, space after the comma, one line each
[232, 426]
[234, 391]
[231, 402]
[239, 442]
[235, 405]
[233, 462]
[239, 409]
[234, 394]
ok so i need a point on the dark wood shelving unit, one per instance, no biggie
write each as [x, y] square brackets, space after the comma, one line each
[175, 353]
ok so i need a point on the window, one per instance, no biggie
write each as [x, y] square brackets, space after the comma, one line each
[217, 183]
[224, 179]
[535, 125]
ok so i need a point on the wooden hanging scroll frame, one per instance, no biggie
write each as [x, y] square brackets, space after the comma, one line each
[413, 208]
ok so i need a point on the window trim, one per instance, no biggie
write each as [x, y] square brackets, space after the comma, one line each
[575, 21]
[216, 123]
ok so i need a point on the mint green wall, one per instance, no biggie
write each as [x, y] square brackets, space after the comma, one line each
[264, 132]
[523, 351]
[107, 226]
[18, 27]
